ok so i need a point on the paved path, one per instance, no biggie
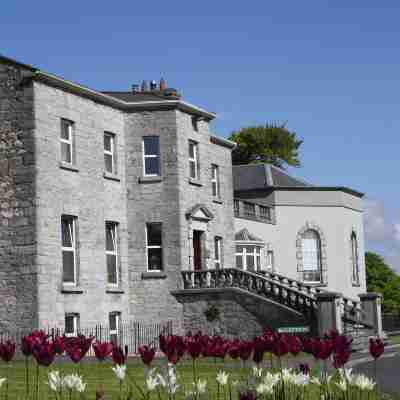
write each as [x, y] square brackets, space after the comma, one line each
[388, 369]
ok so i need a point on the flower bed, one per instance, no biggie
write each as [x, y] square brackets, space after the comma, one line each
[192, 368]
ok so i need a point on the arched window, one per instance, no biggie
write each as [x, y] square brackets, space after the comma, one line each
[355, 276]
[311, 252]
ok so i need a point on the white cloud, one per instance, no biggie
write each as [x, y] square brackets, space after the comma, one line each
[381, 232]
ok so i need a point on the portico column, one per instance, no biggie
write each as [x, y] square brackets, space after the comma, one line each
[329, 312]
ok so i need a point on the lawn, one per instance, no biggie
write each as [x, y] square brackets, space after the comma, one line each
[95, 373]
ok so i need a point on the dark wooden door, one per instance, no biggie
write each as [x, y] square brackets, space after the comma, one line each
[197, 250]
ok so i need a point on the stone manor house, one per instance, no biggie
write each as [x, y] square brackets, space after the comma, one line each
[121, 206]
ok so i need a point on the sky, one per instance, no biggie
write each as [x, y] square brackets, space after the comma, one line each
[328, 68]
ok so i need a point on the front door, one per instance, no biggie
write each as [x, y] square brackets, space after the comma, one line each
[197, 250]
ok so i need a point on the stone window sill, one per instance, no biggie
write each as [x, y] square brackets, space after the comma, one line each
[71, 289]
[115, 290]
[218, 201]
[150, 179]
[110, 176]
[154, 275]
[195, 182]
[68, 167]
[354, 284]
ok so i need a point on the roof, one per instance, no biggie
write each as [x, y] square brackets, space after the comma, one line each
[131, 97]
[261, 176]
[266, 176]
[245, 236]
[120, 100]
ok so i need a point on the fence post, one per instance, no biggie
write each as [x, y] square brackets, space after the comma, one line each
[329, 312]
[371, 306]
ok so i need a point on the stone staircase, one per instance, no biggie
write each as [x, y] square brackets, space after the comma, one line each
[289, 293]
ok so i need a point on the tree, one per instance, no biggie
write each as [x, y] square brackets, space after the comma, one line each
[382, 279]
[266, 144]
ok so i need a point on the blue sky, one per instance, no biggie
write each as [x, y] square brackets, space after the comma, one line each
[328, 68]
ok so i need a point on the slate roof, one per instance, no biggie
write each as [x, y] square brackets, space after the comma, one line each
[131, 97]
[245, 236]
[262, 176]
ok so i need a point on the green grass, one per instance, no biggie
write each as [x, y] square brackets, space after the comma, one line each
[95, 373]
[395, 339]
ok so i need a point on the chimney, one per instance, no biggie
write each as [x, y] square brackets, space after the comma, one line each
[144, 87]
[162, 85]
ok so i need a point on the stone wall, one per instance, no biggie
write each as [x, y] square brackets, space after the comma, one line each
[85, 192]
[18, 290]
[240, 314]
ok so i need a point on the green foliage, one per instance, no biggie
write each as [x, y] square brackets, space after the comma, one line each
[382, 279]
[212, 313]
[266, 144]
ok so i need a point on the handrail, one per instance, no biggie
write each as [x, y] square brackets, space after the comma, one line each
[287, 291]
[255, 283]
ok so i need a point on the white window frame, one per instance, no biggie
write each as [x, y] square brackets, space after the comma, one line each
[267, 215]
[194, 160]
[75, 322]
[355, 272]
[70, 249]
[246, 205]
[218, 252]
[215, 181]
[110, 153]
[117, 316]
[256, 256]
[115, 253]
[146, 156]
[69, 141]
[318, 255]
[154, 247]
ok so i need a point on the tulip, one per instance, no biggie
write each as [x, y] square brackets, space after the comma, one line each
[59, 345]
[102, 350]
[173, 347]
[118, 355]
[376, 348]
[248, 395]
[281, 345]
[305, 369]
[294, 345]
[234, 349]
[7, 351]
[259, 348]
[74, 353]
[245, 350]
[44, 354]
[146, 354]
[27, 344]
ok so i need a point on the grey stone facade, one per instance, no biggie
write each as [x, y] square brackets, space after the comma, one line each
[36, 191]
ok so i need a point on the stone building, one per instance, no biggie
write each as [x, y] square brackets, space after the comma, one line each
[106, 197]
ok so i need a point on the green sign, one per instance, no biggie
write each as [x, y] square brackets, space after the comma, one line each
[294, 329]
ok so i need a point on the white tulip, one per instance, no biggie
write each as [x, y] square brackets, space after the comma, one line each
[55, 381]
[342, 385]
[263, 389]
[257, 372]
[151, 381]
[363, 383]
[2, 380]
[271, 379]
[200, 386]
[222, 378]
[120, 371]
[72, 381]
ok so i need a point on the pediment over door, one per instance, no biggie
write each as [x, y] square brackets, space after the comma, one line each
[200, 212]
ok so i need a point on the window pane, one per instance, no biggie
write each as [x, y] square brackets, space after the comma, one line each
[250, 249]
[69, 324]
[66, 231]
[112, 269]
[65, 130]
[108, 163]
[113, 322]
[154, 234]
[110, 237]
[66, 152]
[152, 166]
[191, 149]
[155, 259]
[250, 262]
[193, 172]
[151, 145]
[214, 189]
[216, 249]
[239, 262]
[107, 142]
[239, 249]
[68, 267]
